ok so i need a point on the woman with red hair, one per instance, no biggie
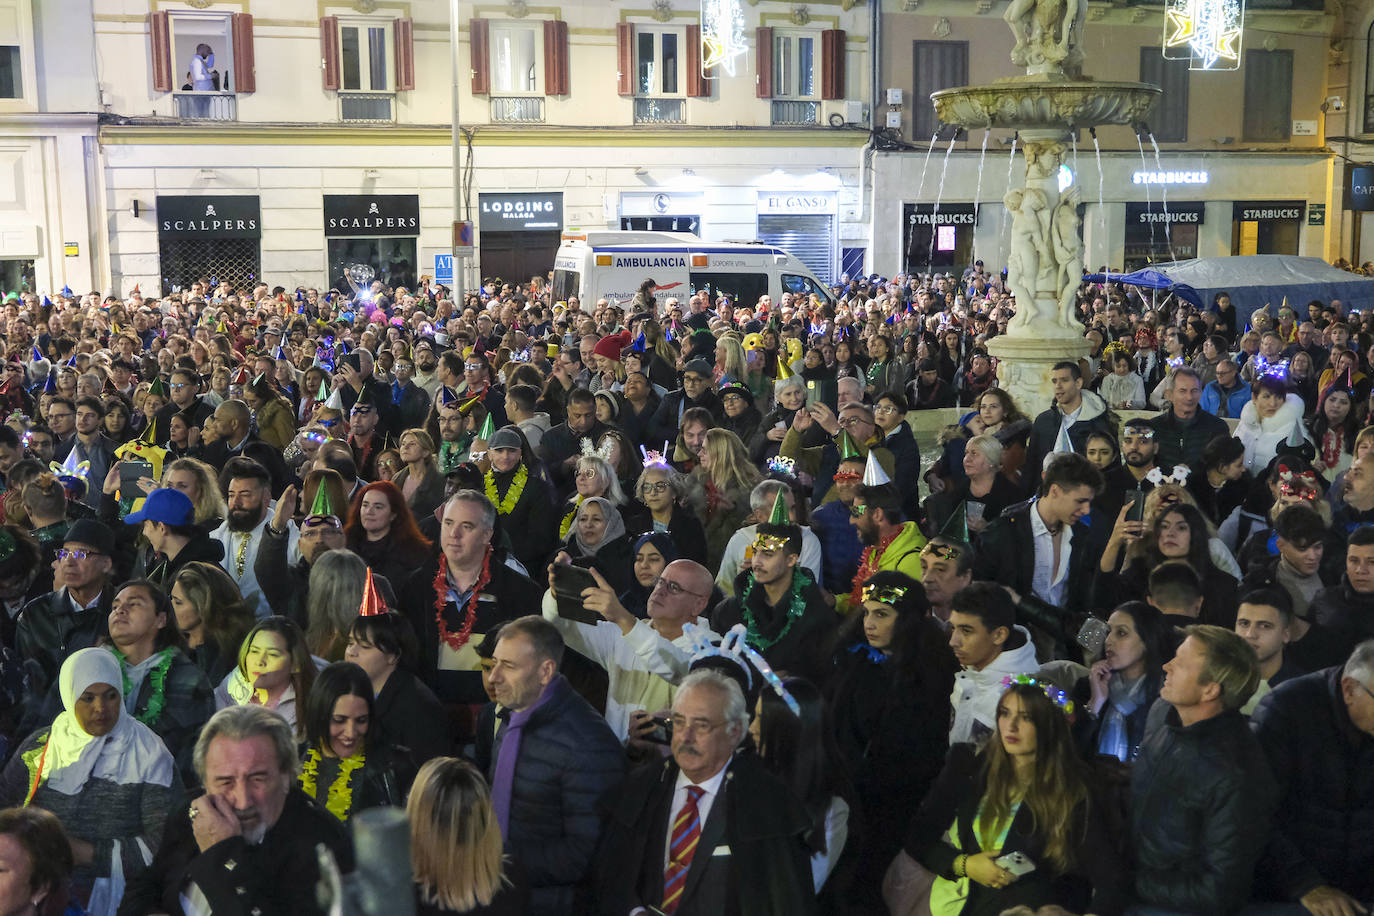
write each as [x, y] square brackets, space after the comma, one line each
[381, 530]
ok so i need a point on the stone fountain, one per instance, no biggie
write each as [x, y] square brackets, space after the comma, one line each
[1045, 260]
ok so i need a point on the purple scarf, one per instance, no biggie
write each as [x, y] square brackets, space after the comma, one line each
[503, 777]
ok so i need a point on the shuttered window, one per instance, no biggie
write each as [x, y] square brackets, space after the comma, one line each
[936, 65]
[809, 238]
[1268, 109]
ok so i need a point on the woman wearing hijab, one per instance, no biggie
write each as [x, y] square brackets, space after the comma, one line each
[598, 539]
[652, 554]
[106, 776]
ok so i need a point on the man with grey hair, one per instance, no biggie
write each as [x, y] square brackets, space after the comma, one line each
[248, 844]
[1183, 429]
[1318, 733]
[690, 835]
[761, 500]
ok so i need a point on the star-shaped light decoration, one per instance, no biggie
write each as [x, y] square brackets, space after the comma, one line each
[1206, 32]
[722, 35]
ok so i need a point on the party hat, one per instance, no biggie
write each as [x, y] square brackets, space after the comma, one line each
[50, 386]
[846, 445]
[136, 291]
[280, 354]
[37, 353]
[957, 525]
[241, 377]
[47, 303]
[373, 605]
[322, 504]
[780, 514]
[639, 344]
[1296, 436]
[488, 429]
[447, 396]
[784, 368]
[66, 291]
[874, 475]
[335, 401]
[149, 436]
[258, 379]
[466, 407]
[323, 393]
[364, 398]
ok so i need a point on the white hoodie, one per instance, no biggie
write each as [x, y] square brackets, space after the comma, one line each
[973, 703]
[1262, 438]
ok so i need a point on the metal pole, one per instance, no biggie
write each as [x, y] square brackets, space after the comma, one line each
[457, 158]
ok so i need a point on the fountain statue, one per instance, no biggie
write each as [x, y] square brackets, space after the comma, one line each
[1046, 106]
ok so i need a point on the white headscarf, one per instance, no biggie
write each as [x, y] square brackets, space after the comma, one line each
[615, 525]
[130, 753]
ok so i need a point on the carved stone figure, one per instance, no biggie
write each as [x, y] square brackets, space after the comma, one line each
[1030, 251]
[1048, 34]
[1068, 254]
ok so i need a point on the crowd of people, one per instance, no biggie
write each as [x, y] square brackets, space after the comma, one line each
[656, 607]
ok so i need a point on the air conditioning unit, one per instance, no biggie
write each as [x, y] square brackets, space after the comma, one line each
[844, 113]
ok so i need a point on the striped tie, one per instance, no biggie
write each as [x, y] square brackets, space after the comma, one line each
[681, 847]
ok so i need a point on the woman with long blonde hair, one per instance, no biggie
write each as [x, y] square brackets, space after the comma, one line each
[455, 845]
[728, 477]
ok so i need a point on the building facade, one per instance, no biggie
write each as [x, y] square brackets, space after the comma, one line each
[1232, 162]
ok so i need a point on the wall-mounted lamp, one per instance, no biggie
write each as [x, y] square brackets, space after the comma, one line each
[371, 174]
[206, 175]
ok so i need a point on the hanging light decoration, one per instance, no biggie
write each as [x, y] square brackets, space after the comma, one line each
[1207, 33]
[722, 36]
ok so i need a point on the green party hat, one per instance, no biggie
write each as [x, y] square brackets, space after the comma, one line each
[847, 447]
[158, 389]
[780, 514]
[323, 393]
[322, 505]
[149, 436]
[957, 525]
[487, 430]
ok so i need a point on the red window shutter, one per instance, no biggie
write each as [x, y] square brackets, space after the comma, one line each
[625, 58]
[763, 80]
[696, 83]
[159, 34]
[245, 80]
[832, 64]
[404, 31]
[329, 50]
[555, 57]
[479, 46]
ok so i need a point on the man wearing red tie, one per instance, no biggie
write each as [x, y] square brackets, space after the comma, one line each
[710, 831]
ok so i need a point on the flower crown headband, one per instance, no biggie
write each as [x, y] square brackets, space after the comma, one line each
[653, 458]
[734, 648]
[1056, 696]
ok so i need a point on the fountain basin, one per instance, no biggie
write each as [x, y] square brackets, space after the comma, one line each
[1044, 103]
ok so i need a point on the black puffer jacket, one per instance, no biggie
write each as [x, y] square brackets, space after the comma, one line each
[1202, 799]
[569, 758]
[1343, 610]
[1324, 831]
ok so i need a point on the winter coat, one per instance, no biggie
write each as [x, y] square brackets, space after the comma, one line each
[1202, 800]
[1094, 417]
[1228, 404]
[408, 714]
[840, 546]
[973, 701]
[804, 648]
[906, 464]
[1182, 441]
[568, 759]
[1343, 610]
[1123, 391]
[1324, 829]
[1263, 438]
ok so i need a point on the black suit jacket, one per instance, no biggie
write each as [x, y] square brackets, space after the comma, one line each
[751, 859]
[277, 877]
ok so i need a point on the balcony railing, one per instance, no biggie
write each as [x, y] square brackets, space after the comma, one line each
[517, 109]
[793, 112]
[366, 107]
[206, 106]
[658, 111]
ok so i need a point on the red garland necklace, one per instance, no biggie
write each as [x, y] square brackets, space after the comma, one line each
[869, 566]
[456, 641]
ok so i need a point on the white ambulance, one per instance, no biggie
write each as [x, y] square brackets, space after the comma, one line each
[611, 264]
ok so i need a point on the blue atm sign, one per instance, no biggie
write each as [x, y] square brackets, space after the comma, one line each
[443, 269]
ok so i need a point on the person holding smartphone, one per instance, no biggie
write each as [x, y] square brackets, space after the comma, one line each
[1015, 826]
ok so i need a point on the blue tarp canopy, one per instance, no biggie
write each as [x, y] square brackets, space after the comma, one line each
[1253, 281]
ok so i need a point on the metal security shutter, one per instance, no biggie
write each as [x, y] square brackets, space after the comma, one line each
[183, 261]
[809, 239]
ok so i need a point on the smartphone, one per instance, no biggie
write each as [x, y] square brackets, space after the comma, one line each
[131, 472]
[1092, 636]
[663, 734]
[568, 584]
[1018, 863]
[1136, 500]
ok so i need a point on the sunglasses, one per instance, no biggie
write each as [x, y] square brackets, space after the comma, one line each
[321, 521]
[76, 554]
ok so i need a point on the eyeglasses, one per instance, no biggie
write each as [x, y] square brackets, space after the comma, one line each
[676, 590]
[176, 386]
[587, 474]
[77, 554]
[656, 487]
[885, 408]
[682, 725]
[851, 422]
[474, 367]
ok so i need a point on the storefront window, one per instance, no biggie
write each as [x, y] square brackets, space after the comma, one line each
[938, 239]
[1157, 233]
[392, 260]
[1267, 226]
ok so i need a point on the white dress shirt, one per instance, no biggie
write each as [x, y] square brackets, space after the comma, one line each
[1048, 583]
[711, 789]
[248, 582]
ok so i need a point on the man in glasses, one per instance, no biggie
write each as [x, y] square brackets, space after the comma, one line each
[698, 390]
[72, 616]
[642, 658]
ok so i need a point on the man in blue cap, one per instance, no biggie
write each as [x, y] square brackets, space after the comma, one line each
[169, 523]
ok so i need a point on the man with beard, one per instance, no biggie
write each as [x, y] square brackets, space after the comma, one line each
[890, 542]
[560, 447]
[786, 614]
[452, 420]
[364, 438]
[426, 366]
[1065, 427]
[248, 492]
[1138, 450]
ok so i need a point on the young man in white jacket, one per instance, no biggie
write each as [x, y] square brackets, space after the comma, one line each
[990, 647]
